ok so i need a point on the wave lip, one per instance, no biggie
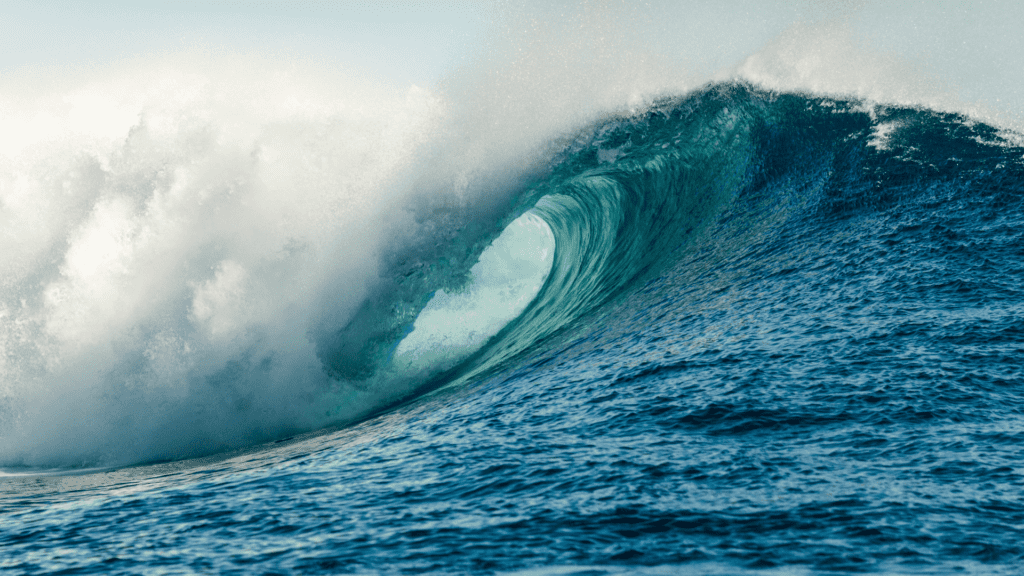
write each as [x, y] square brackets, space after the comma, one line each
[623, 200]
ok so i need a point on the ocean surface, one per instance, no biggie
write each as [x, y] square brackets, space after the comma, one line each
[732, 330]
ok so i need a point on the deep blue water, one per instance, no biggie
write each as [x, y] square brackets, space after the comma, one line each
[781, 333]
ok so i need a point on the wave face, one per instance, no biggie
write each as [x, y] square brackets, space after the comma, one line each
[775, 330]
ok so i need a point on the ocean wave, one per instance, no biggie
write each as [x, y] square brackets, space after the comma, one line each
[207, 285]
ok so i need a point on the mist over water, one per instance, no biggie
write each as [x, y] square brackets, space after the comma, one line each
[199, 244]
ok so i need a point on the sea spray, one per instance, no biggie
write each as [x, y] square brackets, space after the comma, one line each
[165, 274]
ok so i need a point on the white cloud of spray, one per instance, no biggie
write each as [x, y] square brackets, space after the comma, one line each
[888, 54]
[167, 248]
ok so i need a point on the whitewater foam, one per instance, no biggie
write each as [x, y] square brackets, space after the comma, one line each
[165, 272]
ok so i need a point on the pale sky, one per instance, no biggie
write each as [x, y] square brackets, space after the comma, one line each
[974, 48]
[404, 40]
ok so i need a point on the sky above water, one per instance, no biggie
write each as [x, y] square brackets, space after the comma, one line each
[974, 50]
